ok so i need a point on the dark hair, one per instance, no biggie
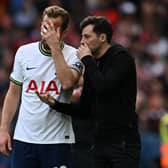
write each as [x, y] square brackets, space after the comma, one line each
[55, 11]
[101, 25]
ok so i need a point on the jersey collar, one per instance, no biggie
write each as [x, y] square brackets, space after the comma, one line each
[48, 52]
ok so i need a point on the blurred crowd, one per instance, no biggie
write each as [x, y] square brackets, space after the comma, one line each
[139, 25]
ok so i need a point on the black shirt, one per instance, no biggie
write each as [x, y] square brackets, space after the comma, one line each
[109, 95]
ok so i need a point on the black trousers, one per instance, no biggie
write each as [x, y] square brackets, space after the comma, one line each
[117, 155]
[82, 157]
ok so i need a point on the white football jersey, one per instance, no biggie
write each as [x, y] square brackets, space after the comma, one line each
[34, 69]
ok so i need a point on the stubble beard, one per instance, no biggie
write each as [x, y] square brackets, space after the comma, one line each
[95, 51]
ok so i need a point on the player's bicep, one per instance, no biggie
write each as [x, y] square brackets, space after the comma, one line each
[14, 89]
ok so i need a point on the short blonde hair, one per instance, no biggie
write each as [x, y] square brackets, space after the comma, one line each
[55, 11]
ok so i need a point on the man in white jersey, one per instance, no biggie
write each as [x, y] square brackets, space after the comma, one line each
[42, 138]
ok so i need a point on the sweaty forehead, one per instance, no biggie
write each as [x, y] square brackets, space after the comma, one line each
[57, 21]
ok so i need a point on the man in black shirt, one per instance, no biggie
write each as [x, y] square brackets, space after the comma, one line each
[109, 94]
[82, 154]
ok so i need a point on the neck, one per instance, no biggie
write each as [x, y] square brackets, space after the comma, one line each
[47, 48]
[102, 51]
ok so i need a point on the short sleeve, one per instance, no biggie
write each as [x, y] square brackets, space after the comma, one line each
[16, 75]
[76, 63]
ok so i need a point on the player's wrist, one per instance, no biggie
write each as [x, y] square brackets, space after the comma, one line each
[4, 129]
[55, 50]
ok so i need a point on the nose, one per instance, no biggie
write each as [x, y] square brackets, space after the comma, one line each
[82, 41]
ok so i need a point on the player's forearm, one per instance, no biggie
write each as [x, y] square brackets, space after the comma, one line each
[9, 110]
[63, 71]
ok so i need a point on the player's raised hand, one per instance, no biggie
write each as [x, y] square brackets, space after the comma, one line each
[50, 33]
[46, 98]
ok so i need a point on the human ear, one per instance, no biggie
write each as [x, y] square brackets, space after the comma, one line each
[102, 37]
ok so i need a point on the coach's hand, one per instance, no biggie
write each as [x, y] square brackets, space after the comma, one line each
[83, 51]
[5, 142]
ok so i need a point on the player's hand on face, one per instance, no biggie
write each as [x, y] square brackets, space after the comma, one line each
[50, 34]
[83, 51]
[5, 142]
[46, 98]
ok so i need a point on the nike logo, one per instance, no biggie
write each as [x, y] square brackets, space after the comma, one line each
[29, 68]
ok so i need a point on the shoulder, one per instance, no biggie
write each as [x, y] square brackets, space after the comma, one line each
[29, 46]
[115, 47]
[119, 50]
[26, 50]
[68, 48]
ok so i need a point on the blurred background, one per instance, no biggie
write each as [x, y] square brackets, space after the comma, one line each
[139, 25]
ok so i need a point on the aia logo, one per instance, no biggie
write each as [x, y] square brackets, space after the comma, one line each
[52, 86]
